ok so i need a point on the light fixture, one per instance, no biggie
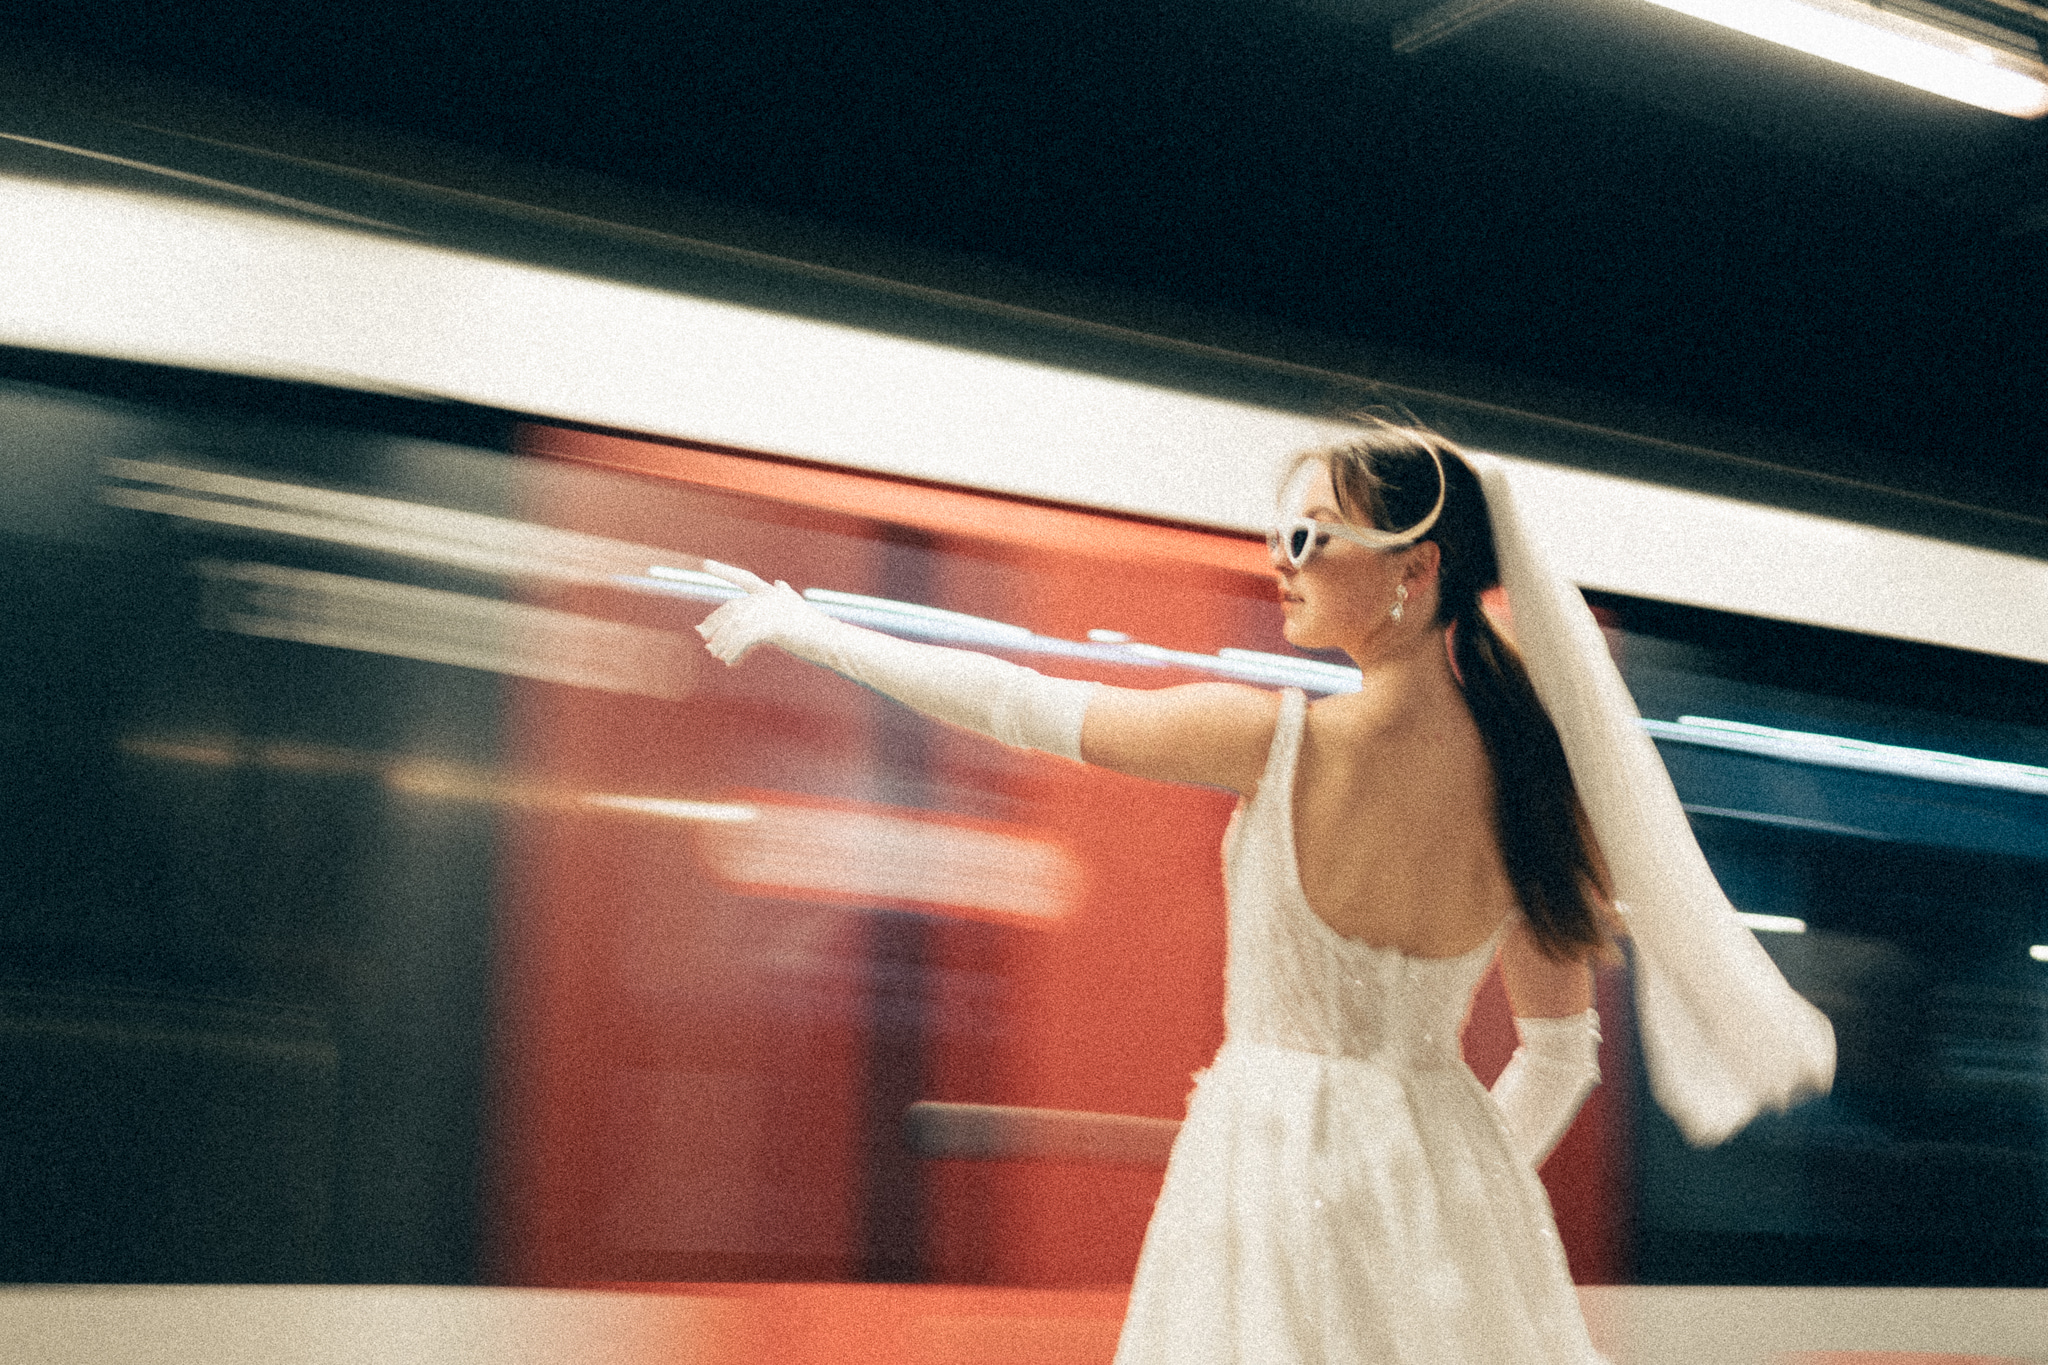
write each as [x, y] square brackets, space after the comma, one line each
[1918, 45]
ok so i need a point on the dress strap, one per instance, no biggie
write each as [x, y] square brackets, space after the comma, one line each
[1278, 779]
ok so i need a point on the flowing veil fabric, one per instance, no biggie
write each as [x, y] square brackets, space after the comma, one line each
[1724, 1036]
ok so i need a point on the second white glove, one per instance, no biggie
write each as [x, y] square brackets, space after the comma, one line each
[1548, 1078]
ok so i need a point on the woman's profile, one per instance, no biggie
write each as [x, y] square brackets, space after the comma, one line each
[1343, 1189]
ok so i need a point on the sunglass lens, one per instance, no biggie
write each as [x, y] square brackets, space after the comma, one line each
[1297, 544]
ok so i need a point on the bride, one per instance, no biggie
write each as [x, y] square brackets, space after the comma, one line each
[1343, 1189]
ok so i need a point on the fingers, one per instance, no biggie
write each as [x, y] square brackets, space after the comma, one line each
[767, 614]
[708, 627]
[738, 577]
[727, 632]
[731, 631]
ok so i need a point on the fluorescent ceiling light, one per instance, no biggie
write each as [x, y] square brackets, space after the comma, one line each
[2039, 952]
[2004, 74]
[1772, 924]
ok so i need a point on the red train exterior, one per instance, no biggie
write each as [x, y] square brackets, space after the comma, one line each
[705, 1072]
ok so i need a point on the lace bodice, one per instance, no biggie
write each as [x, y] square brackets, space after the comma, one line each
[1293, 981]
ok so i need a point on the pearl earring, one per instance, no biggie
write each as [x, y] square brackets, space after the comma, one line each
[1400, 600]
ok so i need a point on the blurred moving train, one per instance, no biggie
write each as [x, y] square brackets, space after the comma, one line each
[397, 894]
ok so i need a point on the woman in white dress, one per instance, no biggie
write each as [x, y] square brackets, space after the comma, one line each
[1343, 1189]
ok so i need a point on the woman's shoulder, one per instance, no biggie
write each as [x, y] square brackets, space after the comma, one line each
[1376, 707]
[1384, 737]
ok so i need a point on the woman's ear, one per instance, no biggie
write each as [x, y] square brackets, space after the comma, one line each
[1423, 562]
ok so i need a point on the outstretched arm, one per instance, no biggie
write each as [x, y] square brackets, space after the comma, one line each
[1210, 733]
[1213, 734]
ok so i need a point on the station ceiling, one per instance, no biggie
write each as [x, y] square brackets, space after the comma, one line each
[1595, 207]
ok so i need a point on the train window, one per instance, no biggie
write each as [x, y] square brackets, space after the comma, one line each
[1880, 812]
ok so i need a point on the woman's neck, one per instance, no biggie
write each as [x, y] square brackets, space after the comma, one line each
[1416, 668]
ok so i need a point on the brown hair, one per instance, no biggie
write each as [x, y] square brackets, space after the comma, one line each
[1384, 477]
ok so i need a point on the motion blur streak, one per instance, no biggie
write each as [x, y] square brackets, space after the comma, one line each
[817, 852]
[1006, 1132]
[408, 622]
[908, 1325]
[442, 535]
[1835, 751]
[247, 192]
[829, 1324]
[427, 778]
[676, 810]
[772, 843]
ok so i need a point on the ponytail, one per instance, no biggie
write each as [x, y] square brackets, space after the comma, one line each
[1544, 839]
[1388, 475]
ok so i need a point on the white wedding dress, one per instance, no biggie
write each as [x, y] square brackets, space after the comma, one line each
[1343, 1190]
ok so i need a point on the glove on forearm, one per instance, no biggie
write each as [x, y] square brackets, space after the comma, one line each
[1548, 1078]
[990, 696]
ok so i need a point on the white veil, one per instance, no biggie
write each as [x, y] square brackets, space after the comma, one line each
[1723, 1035]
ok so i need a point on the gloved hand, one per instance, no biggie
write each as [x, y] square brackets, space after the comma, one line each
[990, 696]
[769, 614]
[1548, 1078]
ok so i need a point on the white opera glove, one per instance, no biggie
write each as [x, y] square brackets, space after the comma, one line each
[990, 696]
[1548, 1078]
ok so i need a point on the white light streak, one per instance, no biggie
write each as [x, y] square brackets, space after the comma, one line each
[410, 530]
[1989, 75]
[416, 776]
[1764, 817]
[894, 859]
[1837, 751]
[1314, 672]
[398, 619]
[1004, 1132]
[1772, 924]
[709, 812]
[696, 578]
[225, 186]
[956, 621]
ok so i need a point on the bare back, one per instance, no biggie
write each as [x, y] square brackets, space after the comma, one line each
[1393, 802]
[1393, 812]
[1394, 826]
